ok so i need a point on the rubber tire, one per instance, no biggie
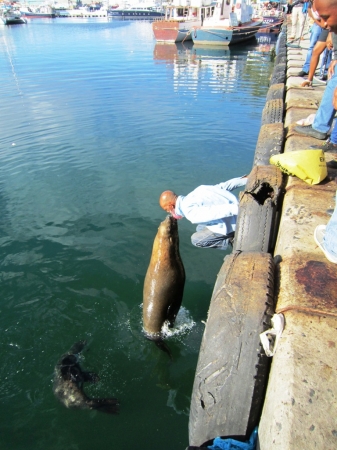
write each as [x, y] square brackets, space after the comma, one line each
[273, 112]
[232, 369]
[276, 91]
[281, 59]
[256, 227]
[269, 143]
[279, 74]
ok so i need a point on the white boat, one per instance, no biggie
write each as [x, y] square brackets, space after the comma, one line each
[12, 16]
[141, 11]
[180, 17]
[43, 11]
[230, 24]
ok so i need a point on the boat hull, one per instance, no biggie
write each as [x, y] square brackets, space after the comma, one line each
[224, 36]
[171, 31]
[129, 14]
[31, 15]
[13, 20]
[271, 24]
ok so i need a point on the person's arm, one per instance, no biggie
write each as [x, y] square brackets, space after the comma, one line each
[234, 183]
[331, 69]
[316, 53]
[204, 214]
[314, 16]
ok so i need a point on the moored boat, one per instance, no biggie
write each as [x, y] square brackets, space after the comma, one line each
[44, 11]
[180, 17]
[273, 17]
[140, 12]
[229, 24]
[12, 16]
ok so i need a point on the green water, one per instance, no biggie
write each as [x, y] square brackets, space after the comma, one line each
[94, 126]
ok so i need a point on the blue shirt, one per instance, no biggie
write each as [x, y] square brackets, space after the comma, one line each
[213, 206]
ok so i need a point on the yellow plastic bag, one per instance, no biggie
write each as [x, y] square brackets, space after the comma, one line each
[308, 165]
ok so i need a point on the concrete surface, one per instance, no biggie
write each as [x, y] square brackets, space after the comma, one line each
[300, 408]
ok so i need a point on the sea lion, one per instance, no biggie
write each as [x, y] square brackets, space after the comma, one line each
[164, 281]
[68, 384]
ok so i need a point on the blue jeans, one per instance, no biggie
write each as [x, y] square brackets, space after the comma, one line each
[207, 239]
[333, 136]
[326, 60]
[314, 35]
[326, 111]
[330, 238]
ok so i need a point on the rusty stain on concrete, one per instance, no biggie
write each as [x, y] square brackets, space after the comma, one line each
[319, 281]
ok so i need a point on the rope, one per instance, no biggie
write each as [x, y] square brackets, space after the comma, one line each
[305, 309]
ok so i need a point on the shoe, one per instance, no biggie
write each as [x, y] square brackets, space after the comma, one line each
[328, 146]
[319, 234]
[321, 78]
[332, 164]
[302, 73]
[307, 130]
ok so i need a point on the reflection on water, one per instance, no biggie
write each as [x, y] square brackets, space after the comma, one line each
[97, 120]
[225, 66]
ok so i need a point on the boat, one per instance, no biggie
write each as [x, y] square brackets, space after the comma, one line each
[12, 16]
[44, 11]
[273, 16]
[139, 12]
[229, 24]
[180, 17]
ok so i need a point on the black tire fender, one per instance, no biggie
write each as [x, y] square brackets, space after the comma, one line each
[276, 92]
[232, 369]
[257, 223]
[273, 112]
[269, 143]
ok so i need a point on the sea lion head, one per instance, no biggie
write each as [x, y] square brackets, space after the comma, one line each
[168, 227]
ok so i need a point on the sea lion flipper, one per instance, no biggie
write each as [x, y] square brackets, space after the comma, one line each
[106, 405]
[164, 347]
[91, 377]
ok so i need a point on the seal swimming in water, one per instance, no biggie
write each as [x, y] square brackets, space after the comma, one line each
[68, 384]
[164, 281]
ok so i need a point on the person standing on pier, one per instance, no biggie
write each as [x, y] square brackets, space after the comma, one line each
[298, 16]
[326, 235]
[326, 111]
[213, 208]
[315, 33]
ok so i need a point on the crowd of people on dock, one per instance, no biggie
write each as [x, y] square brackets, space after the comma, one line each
[322, 20]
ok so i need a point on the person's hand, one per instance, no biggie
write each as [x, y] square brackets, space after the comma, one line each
[334, 99]
[306, 83]
[331, 70]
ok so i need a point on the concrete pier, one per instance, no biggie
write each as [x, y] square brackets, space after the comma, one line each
[277, 218]
[300, 408]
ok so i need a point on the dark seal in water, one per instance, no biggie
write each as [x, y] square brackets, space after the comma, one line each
[68, 384]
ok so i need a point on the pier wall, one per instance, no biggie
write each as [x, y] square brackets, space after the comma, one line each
[296, 399]
[300, 408]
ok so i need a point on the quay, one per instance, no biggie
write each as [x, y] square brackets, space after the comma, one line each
[275, 267]
[300, 408]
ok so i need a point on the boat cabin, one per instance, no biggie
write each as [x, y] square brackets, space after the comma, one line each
[230, 13]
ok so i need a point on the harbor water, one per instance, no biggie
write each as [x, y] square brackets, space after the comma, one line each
[96, 121]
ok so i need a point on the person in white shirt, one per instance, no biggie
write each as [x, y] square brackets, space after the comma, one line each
[213, 208]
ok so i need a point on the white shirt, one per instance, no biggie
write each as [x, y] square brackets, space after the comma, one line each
[213, 206]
